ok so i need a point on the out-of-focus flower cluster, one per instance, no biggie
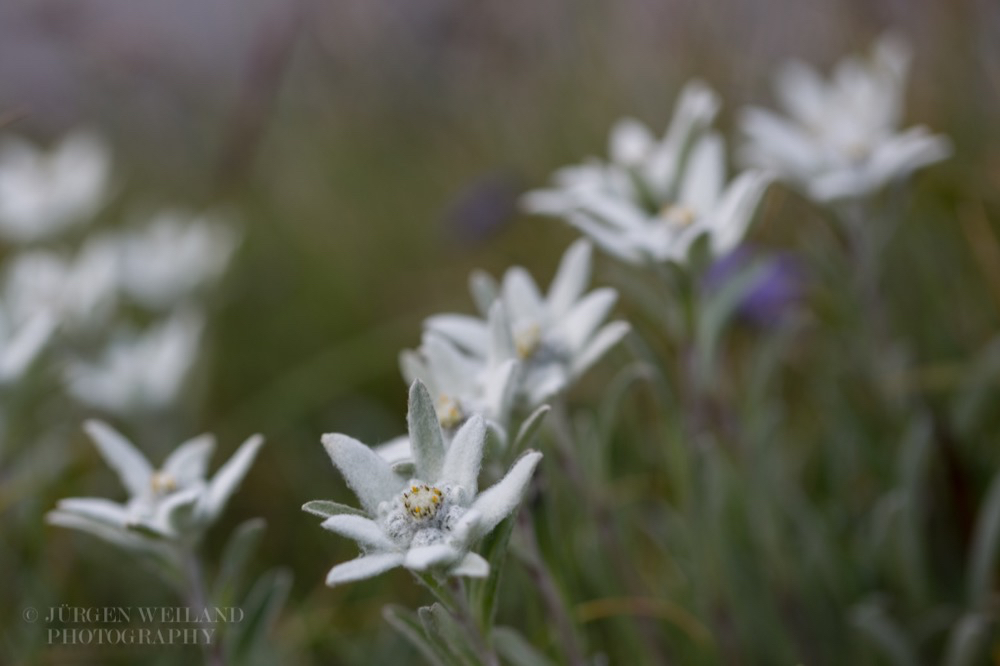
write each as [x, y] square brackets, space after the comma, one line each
[115, 307]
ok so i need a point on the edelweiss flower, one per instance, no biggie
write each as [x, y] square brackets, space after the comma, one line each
[555, 338]
[841, 137]
[172, 503]
[139, 371]
[173, 256]
[42, 193]
[655, 198]
[76, 292]
[463, 384]
[427, 522]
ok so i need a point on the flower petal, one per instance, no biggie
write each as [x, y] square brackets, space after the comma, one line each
[469, 333]
[521, 296]
[368, 475]
[363, 567]
[97, 509]
[465, 455]
[571, 279]
[422, 558]
[363, 530]
[228, 478]
[426, 441]
[132, 467]
[499, 500]
[597, 346]
[472, 565]
[189, 461]
[484, 290]
[589, 312]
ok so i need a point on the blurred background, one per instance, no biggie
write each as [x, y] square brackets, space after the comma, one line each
[372, 153]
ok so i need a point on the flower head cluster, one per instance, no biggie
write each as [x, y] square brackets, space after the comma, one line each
[428, 520]
[84, 299]
[655, 198]
[840, 138]
[553, 338]
[172, 503]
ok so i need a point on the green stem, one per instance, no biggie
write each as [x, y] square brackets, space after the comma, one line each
[196, 600]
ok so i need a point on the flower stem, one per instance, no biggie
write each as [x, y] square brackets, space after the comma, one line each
[463, 614]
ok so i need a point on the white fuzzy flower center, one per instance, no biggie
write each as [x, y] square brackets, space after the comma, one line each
[422, 502]
[449, 412]
[423, 514]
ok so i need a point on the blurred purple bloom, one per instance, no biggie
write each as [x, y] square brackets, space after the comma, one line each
[482, 208]
[775, 293]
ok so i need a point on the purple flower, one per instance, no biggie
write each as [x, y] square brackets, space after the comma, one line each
[776, 291]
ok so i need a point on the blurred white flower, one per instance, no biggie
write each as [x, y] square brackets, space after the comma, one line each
[555, 338]
[76, 292]
[44, 192]
[172, 256]
[20, 343]
[840, 138]
[655, 198]
[463, 384]
[430, 521]
[139, 371]
[172, 503]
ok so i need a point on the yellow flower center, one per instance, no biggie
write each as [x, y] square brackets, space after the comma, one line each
[677, 215]
[422, 502]
[163, 483]
[526, 341]
[449, 412]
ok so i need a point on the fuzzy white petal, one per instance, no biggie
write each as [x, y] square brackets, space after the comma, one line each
[228, 478]
[472, 565]
[363, 567]
[368, 475]
[571, 279]
[363, 530]
[131, 466]
[465, 455]
[426, 442]
[499, 500]
[427, 557]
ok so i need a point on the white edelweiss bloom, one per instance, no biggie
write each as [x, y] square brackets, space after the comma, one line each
[841, 138]
[172, 256]
[463, 384]
[171, 503]
[427, 522]
[43, 193]
[139, 371]
[655, 198]
[77, 292]
[21, 343]
[555, 338]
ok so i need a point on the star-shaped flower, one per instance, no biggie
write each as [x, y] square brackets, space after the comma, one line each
[169, 504]
[555, 338]
[431, 520]
[655, 198]
[840, 138]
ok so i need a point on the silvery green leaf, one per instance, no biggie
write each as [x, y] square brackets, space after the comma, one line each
[516, 650]
[132, 467]
[530, 427]
[327, 508]
[260, 612]
[403, 621]
[238, 552]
